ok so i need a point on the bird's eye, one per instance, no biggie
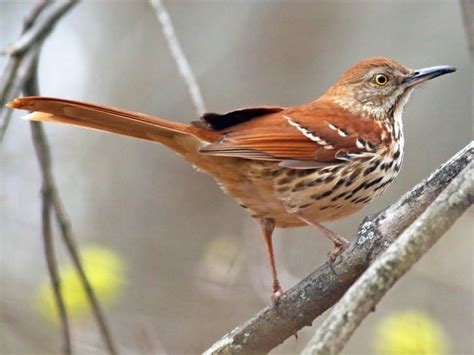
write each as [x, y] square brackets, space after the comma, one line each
[380, 79]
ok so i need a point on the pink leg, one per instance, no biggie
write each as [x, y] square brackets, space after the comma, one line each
[268, 225]
[339, 242]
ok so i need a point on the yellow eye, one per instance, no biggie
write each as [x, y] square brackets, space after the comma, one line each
[381, 79]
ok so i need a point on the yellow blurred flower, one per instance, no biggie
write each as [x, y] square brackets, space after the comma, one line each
[410, 333]
[105, 271]
[220, 264]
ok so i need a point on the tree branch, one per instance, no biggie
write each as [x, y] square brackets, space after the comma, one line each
[414, 242]
[68, 238]
[21, 74]
[25, 50]
[178, 56]
[44, 160]
[300, 305]
[41, 26]
[52, 198]
[14, 77]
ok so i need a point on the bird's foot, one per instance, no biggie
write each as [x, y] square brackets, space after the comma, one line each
[277, 292]
[339, 245]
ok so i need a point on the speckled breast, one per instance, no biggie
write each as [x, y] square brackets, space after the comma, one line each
[336, 191]
[268, 190]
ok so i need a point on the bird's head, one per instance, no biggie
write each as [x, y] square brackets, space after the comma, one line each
[377, 87]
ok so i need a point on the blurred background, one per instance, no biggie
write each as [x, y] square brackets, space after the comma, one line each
[177, 263]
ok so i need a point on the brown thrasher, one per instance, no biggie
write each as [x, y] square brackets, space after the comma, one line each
[289, 166]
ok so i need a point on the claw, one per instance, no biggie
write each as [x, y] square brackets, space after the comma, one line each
[277, 292]
[337, 250]
[333, 254]
[331, 266]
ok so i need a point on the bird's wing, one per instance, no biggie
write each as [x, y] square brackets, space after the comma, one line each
[301, 137]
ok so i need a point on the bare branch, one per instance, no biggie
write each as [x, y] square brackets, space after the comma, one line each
[41, 26]
[32, 17]
[53, 198]
[44, 159]
[23, 52]
[68, 238]
[414, 242]
[22, 71]
[299, 306]
[11, 68]
[178, 55]
[21, 74]
[15, 75]
[37, 131]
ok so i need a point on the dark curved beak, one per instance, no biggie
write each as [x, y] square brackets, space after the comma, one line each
[421, 75]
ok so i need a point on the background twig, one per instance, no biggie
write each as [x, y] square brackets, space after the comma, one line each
[468, 13]
[23, 52]
[52, 198]
[414, 242]
[300, 305]
[67, 235]
[178, 55]
[41, 26]
[14, 78]
[21, 74]
[44, 159]
[37, 131]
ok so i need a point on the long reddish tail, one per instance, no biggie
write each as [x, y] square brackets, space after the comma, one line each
[185, 140]
[110, 119]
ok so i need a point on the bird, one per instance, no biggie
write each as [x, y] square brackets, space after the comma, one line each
[287, 166]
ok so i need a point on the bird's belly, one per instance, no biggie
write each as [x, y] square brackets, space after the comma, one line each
[267, 190]
[256, 194]
[331, 193]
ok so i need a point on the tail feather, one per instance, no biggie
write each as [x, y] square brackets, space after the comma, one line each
[102, 118]
[185, 140]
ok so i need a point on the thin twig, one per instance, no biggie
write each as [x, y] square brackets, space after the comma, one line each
[44, 159]
[15, 75]
[299, 306]
[16, 71]
[21, 73]
[54, 200]
[32, 17]
[37, 130]
[67, 235]
[467, 7]
[8, 75]
[369, 289]
[178, 55]
[20, 61]
[41, 26]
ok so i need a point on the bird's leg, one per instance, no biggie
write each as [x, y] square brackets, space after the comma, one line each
[339, 242]
[268, 225]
